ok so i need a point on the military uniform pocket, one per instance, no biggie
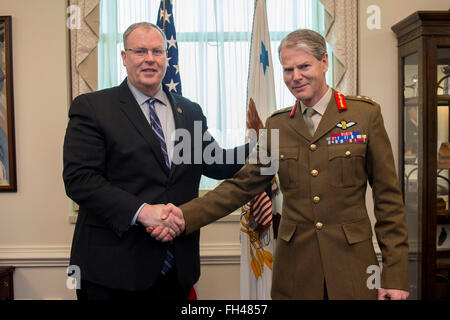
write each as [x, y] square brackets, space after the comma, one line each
[358, 231]
[286, 230]
[347, 164]
[288, 167]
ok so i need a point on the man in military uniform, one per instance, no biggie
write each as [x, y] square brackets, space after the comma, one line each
[329, 147]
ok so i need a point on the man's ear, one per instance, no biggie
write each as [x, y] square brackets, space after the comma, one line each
[325, 62]
[124, 55]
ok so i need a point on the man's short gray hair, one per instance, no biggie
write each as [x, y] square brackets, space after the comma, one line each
[147, 25]
[307, 40]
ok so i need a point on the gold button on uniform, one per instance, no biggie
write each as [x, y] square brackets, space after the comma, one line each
[319, 225]
[281, 156]
[348, 153]
[316, 199]
[314, 173]
[313, 147]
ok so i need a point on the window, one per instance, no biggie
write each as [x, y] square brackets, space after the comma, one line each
[214, 41]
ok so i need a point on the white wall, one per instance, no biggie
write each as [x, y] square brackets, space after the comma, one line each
[35, 234]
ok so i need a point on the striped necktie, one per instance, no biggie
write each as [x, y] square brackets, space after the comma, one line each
[156, 126]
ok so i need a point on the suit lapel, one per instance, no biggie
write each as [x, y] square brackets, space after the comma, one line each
[179, 117]
[134, 113]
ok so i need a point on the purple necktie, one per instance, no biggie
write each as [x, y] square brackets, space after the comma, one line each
[156, 126]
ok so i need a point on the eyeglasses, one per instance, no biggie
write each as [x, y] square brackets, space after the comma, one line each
[143, 52]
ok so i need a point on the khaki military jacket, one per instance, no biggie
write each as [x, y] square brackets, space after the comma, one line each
[325, 235]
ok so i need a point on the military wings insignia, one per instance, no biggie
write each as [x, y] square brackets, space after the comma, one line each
[344, 125]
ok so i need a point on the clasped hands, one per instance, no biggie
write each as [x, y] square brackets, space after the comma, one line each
[162, 222]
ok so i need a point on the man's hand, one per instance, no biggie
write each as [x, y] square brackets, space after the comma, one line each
[253, 120]
[166, 221]
[392, 294]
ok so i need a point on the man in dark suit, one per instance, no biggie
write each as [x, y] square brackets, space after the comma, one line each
[329, 148]
[118, 167]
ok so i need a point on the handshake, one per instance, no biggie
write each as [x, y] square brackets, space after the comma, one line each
[162, 222]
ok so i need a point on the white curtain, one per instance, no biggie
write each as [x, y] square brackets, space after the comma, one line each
[214, 42]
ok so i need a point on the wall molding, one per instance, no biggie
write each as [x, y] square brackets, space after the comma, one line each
[35, 256]
[220, 253]
[58, 256]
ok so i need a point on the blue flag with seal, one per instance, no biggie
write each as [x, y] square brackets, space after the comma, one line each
[166, 22]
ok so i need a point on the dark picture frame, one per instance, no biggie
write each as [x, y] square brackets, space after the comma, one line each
[8, 179]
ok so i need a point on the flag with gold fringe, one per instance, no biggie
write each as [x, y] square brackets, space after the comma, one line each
[257, 240]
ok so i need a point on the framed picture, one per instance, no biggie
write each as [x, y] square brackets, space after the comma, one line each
[8, 180]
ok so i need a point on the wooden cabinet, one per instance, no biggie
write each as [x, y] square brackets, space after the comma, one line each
[424, 148]
[6, 283]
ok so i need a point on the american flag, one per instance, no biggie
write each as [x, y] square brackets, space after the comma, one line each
[166, 22]
[261, 209]
[172, 78]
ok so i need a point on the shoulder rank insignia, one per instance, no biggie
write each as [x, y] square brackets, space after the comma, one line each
[344, 124]
[340, 100]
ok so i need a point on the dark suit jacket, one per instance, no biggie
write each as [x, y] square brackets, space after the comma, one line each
[325, 233]
[113, 164]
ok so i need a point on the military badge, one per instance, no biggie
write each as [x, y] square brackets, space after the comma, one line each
[344, 124]
[347, 137]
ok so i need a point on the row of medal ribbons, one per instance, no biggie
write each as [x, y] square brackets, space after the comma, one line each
[346, 137]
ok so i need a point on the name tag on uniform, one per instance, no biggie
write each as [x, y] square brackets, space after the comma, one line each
[346, 137]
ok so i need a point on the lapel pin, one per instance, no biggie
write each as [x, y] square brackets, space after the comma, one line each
[179, 110]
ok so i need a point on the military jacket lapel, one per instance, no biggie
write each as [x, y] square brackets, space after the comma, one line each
[297, 123]
[330, 118]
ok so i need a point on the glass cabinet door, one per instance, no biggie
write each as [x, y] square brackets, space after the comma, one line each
[443, 168]
[424, 153]
[411, 164]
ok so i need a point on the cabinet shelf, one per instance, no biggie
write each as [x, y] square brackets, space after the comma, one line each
[443, 263]
[443, 216]
[443, 101]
